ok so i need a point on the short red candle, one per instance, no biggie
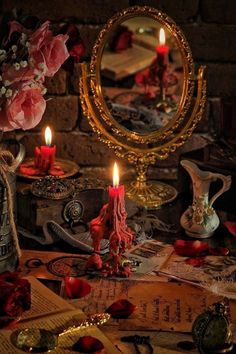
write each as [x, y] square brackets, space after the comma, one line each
[162, 50]
[45, 154]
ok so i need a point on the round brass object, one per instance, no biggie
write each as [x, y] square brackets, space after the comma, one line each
[70, 168]
[140, 130]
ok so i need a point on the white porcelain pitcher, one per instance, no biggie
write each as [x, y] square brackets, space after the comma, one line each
[200, 219]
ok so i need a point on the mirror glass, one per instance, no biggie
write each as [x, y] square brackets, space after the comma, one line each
[141, 74]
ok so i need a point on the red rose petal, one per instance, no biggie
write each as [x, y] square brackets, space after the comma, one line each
[55, 172]
[231, 227]
[121, 309]
[76, 288]
[190, 248]
[88, 344]
[219, 251]
[195, 261]
[28, 171]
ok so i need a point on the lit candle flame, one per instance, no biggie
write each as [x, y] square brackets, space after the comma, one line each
[116, 179]
[48, 136]
[162, 37]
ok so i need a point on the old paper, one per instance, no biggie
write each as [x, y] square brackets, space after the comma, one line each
[149, 255]
[49, 311]
[214, 267]
[160, 306]
[49, 265]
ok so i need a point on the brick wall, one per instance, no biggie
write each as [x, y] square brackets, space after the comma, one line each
[210, 28]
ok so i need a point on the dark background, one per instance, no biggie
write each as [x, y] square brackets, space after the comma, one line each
[210, 28]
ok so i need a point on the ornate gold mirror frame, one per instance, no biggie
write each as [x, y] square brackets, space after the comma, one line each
[143, 150]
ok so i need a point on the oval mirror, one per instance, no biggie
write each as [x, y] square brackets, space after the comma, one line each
[138, 94]
[142, 74]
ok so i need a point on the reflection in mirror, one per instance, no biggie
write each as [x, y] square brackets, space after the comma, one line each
[142, 74]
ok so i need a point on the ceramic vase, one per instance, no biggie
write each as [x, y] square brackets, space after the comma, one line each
[200, 219]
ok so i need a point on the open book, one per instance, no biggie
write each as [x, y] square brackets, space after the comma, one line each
[49, 311]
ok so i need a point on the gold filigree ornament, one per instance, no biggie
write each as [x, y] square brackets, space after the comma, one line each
[138, 148]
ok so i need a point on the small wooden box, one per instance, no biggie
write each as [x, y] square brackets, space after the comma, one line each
[33, 212]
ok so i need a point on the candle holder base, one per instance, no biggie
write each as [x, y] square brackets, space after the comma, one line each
[27, 169]
[151, 195]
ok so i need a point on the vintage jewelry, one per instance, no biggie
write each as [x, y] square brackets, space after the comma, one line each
[51, 187]
[38, 340]
[136, 339]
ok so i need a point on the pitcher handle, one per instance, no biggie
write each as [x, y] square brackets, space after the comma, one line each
[21, 150]
[226, 186]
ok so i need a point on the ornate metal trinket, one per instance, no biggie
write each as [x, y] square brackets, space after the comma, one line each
[51, 187]
[211, 330]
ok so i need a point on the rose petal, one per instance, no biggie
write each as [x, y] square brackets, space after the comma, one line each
[231, 227]
[88, 344]
[76, 288]
[219, 251]
[195, 261]
[121, 309]
[190, 248]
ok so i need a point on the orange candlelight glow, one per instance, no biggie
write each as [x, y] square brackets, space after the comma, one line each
[116, 179]
[48, 136]
[162, 37]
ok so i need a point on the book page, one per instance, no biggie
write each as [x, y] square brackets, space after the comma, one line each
[40, 307]
[49, 311]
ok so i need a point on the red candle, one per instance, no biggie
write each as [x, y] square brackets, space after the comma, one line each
[111, 224]
[45, 154]
[162, 49]
[116, 191]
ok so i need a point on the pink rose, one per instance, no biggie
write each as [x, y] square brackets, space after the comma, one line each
[24, 110]
[48, 49]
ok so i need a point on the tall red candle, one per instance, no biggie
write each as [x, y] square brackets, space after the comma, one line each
[45, 154]
[111, 224]
[162, 50]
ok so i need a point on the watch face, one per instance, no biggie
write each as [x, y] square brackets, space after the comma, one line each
[67, 266]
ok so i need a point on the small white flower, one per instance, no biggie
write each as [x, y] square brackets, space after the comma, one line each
[3, 57]
[3, 90]
[2, 52]
[7, 83]
[41, 66]
[44, 91]
[16, 66]
[23, 63]
[23, 38]
[27, 44]
[37, 77]
[14, 48]
[8, 93]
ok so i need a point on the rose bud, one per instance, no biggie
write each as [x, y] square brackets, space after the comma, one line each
[88, 344]
[121, 309]
[76, 288]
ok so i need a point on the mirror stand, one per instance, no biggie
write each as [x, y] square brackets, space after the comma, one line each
[151, 194]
